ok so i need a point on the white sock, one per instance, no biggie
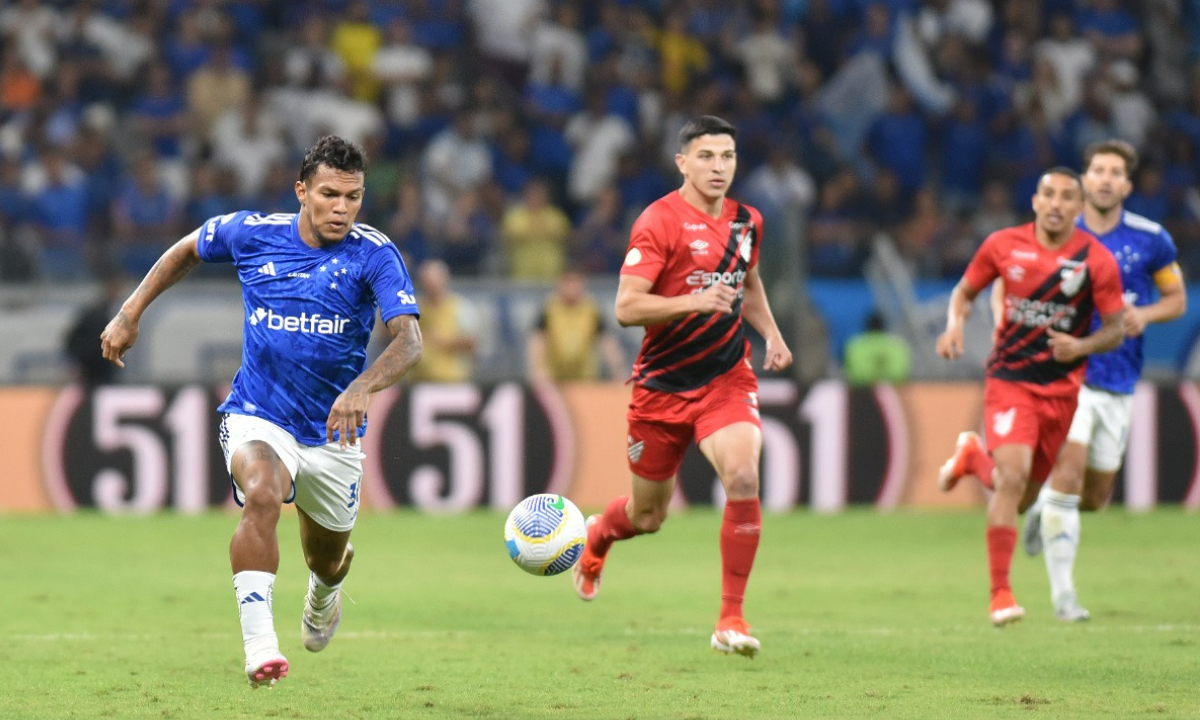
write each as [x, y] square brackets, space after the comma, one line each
[253, 589]
[321, 593]
[1060, 538]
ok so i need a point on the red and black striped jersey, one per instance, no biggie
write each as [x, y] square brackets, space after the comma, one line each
[683, 250]
[1044, 288]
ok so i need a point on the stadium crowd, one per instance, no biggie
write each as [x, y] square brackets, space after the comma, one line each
[515, 138]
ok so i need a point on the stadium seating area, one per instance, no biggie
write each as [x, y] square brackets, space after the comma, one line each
[496, 125]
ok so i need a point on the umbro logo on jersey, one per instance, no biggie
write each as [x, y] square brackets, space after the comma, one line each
[699, 247]
[268, 269]
[1016, 273]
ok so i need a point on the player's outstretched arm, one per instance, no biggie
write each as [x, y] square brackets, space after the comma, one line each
[950, 342]
[757, 311]
[122, 331]
[401, 354]
[636, 305]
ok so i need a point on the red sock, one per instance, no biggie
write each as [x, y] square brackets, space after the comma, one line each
[981, 466]
[613, 525]
[740, 531]
[1000, 543]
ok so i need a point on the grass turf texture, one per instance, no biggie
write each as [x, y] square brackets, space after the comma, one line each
[860, 615]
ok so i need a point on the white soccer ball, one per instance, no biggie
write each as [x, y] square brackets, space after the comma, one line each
[545, 534]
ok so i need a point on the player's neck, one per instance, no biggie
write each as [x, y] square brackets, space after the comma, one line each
[308, 234]
[712, 207]
[1053, 241]
[1101, 222]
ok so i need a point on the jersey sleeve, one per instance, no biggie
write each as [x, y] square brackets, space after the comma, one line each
[1165, 267]
[389, 280]
[221, 237]
[1106, 280]
[647, 247]
[760, 236]
[983, 268]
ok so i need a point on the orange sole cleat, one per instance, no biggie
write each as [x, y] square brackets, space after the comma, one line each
[732, 636]
[586, 573]
[955, 468]
[1004, 609]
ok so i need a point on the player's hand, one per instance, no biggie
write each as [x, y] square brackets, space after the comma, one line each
[1134, 320]
[716, 298]
[778, 355]
[1065, 347]
[119, 335]
[950, 343]
[347, 413]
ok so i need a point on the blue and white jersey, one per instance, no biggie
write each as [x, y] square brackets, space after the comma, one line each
[309, 314]
[1145, 254]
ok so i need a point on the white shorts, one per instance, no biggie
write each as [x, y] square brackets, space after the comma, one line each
[1101, 423]
[326, 479]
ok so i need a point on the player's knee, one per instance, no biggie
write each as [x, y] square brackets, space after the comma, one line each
[262, 491]
[741, 484]
[326, 568]
[1009, 481]
[648, 521]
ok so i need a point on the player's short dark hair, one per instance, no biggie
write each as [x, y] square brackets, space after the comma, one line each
[1120, 148]
[335, 153]
[1063, 170]
[704, 125]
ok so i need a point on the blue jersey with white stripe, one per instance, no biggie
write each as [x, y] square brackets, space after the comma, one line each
[1142, 247]
[309, 314]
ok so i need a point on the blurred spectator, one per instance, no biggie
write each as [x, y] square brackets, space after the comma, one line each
[504, 30]
[19, 86]
[558, 42]
[248, 139]
[964, 147]
[995, 211]
[399, 66]
[836, 247]
[456, 161]
[145, 218]
[216, 87]
[598, 139]
[310, 61]
[1132, 113]
[599, 242]
[279, 190]
[768, 59]
[877, 356]
[211, 196]
[466, 237]
[159, 114]
[81, 344]
[780, 184]
[449, 328]
[897, 140]
[1149, 197]
[571, 338]
[1071, 56]
[408, 227]
[682, 57]
[535, 235]
[57, 195]
[1111, 30]
[356, 41]
[28, 26]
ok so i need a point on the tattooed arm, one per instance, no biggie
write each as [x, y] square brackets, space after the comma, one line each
[401, 354]
[122, 331]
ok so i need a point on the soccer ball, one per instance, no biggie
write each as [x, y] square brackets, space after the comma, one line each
[545, 534]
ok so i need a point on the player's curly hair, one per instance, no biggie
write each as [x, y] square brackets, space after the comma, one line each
[335, 153]
[1120, 148]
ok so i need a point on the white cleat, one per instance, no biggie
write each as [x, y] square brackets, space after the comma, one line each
[1069, 610]
[732, 636]
[265, 666]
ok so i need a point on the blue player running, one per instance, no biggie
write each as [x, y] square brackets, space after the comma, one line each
[311, 282]
[1083, 474]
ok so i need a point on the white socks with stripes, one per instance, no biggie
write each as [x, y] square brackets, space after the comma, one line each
[1060, 540]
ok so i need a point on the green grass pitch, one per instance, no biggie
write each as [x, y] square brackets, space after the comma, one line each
[860, 615]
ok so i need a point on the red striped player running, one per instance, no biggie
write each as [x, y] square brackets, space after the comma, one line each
[1055, 276]
[690, 277]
